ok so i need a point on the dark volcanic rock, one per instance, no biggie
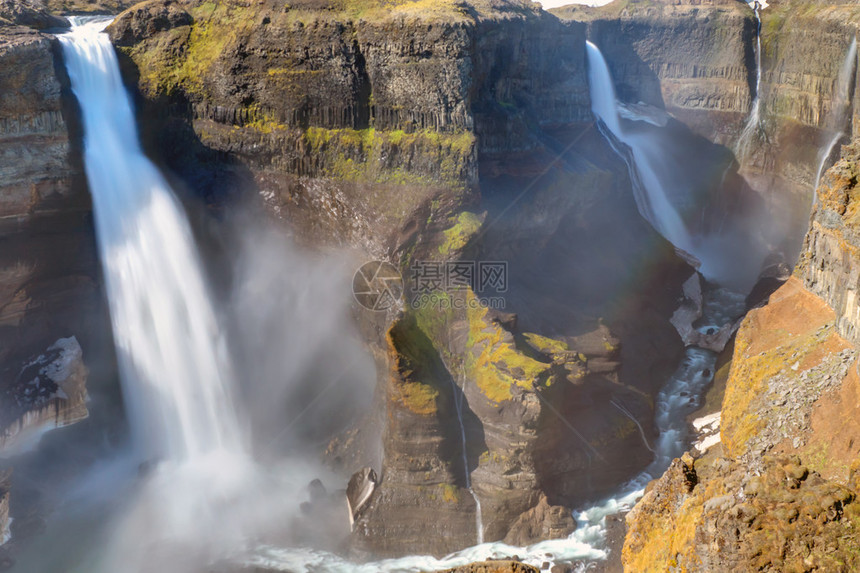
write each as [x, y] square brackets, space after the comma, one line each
[49, 391]
[29, 13]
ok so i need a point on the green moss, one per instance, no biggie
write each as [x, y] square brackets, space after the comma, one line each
[466, 225]
[418, 367]
[496, 365]
[437, 159]
[545, 344]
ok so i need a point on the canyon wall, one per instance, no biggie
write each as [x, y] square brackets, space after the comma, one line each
[697, 60]
[780, 490]
[49, 273]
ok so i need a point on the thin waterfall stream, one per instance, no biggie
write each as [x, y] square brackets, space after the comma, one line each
[459, 398]
[753, 124]
[838, 119]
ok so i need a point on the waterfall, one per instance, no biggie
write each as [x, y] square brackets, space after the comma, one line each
[176, 373]
[459, 398]
[649, 170]
[839, 114]
[753, 124]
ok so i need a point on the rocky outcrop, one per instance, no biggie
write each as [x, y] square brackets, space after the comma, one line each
[493, 567]
[48, 392]
[830, 265]
[29, 13]
[348, 122]
[37, 172]
[715, 515]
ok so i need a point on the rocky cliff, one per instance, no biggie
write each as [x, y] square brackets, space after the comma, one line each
[50, 297]
[694, 59]
[780, 490]
[697, 60]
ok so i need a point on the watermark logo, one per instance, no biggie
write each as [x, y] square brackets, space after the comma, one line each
[377, 286]
[480, 276]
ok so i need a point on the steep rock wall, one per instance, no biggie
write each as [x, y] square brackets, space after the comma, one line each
[781, 489]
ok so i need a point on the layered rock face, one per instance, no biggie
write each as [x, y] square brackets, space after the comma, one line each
[36, 174]
[376, 99]
[48, 266]
[830, 265]
[49, 275]
[693, 59]
[780, 491]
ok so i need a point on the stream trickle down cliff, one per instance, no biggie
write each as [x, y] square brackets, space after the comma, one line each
[839, 113]
[753, 124]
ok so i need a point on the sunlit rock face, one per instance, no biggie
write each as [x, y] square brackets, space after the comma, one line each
[48, 268]
[830, 266]
[788, 427]
[37, 173]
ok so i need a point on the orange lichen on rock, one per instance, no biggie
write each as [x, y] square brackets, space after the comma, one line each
[793, 333]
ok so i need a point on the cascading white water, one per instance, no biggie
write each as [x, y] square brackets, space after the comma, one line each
[839, 114]
[649, 164]
[176, 372]
[753, 124]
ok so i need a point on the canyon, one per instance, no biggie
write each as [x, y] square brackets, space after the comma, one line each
[429, 133]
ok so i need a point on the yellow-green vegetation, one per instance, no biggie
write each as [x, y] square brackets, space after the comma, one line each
[546, 345]
[417, 367]
[749, 379]
[450, 493]
[358, 155]
[424, 9]
[263, 122]
[494, 363]
[180, 58]
[465, 226]
[434, 321]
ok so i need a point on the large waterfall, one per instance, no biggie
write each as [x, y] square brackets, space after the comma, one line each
[649, 162]
[175, 368]
[174, 364]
